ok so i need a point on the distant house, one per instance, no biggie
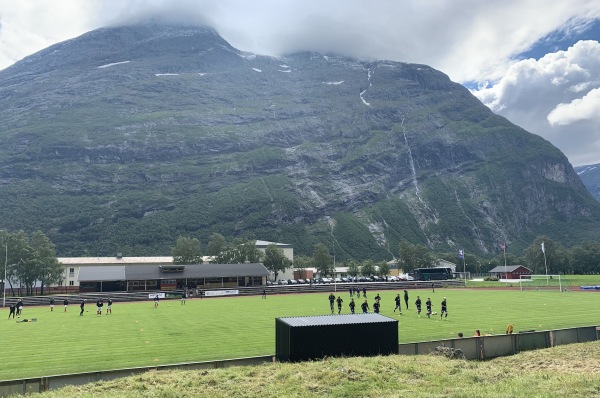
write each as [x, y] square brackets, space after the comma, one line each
[446, 264]
[510, 271]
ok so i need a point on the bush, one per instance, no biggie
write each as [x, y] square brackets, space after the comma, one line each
[491, 278]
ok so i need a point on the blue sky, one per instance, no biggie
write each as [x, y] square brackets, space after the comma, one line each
[536, 62]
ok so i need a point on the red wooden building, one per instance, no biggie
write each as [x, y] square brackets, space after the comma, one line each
[510, 271]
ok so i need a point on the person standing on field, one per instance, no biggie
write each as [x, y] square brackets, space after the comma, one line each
[264, 295]
[52, 304]
[365, 307]
[109, 307]
[444, 312]
[156, 301]
[19, 308]
[352, 305]
[66, 304]
[339, 304]
[376, 306]
[428, 307]
[398, 304]
[183, 297]
[12, 309]
[331, 301]
[82, 307]
[418, 304]
[406, 298]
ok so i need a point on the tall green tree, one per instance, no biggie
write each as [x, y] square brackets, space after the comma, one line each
[301, 263]
[19, 258]
[353, 268]
[275, 260]
[245, 251]
[384, 269]
[48, 269]
[216, 244]
[553, 256]
[367, 268]
[187, 250]
[585, 258]
[322, 260]
[414, 256]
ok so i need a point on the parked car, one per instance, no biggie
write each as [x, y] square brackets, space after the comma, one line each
[345, 280]
[282, 282]
[292, 282]
[301, 281]
[376, 279]
[338, 280]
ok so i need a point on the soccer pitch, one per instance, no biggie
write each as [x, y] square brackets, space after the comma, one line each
[137, 334]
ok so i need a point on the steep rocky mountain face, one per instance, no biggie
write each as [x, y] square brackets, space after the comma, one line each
[590, 176]
[126, 137]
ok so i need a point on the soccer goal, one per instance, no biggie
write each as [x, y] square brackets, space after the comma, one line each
[541, 282]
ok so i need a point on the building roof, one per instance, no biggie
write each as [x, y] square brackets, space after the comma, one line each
[115, 260]
[508, 268]
[348, 319]
[264, 243]
[151, 272]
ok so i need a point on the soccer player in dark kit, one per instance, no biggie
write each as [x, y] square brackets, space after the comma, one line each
[406, 298]
[331, 301]
[99, 305]
[109, 307]
[376, 307]
[398, 305]
[82, 307]
[365, 307]
[339, 303]
[352, 305]
[13, 310]
[19, 307]
[428, 306]
[418, 304]
[444, 309]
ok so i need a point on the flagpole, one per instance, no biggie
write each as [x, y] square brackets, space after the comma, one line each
[505, 271]
[545, 264]
[4, 281]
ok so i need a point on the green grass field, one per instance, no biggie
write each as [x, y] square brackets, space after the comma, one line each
[136, 334]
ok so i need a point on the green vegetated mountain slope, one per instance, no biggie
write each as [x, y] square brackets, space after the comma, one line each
[126, 137]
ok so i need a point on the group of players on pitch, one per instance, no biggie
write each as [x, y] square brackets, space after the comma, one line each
[377, 304]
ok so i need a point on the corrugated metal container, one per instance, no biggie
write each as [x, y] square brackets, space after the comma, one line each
[315, 337]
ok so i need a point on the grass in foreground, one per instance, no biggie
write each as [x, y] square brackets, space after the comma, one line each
[565, 371]
[136, 334]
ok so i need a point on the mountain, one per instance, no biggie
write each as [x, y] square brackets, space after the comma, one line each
[126, 137]
[590, 176]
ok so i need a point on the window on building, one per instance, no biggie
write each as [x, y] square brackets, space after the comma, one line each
[71, 283]
[71, 271]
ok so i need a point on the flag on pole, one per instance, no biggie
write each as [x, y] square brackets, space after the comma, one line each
[543, 248]
[461, 254]
[503, 247]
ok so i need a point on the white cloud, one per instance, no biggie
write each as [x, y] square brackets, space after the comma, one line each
[586, 108]
[557, 97]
